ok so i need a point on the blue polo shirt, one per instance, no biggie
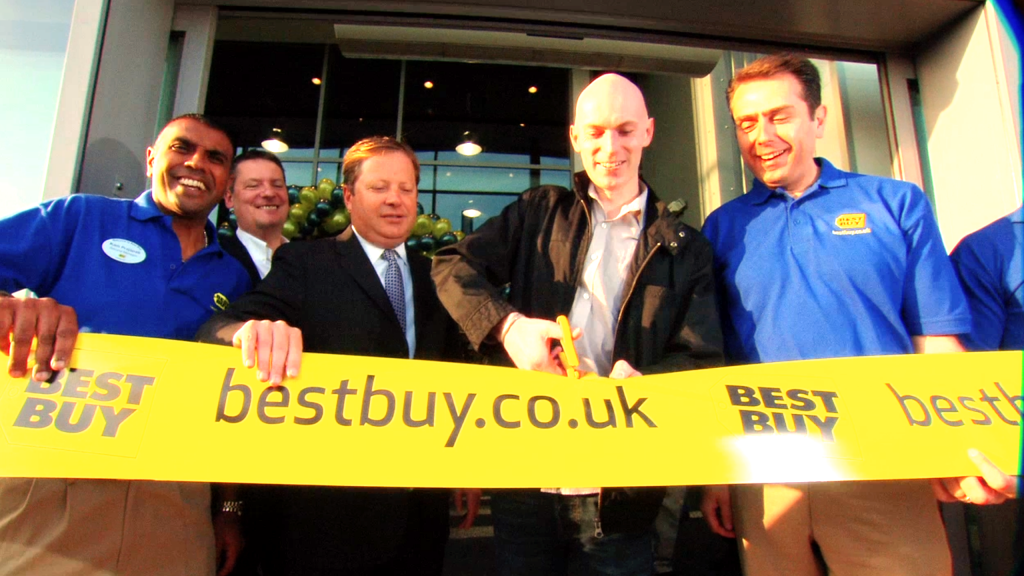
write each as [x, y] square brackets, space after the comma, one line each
[990, 264]
[854, 267]
[118, 264]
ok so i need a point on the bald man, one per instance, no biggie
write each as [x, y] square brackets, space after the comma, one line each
[637, 286]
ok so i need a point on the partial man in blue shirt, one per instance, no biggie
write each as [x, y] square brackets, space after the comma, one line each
[148, 267]
[815, 262]
[990, 264]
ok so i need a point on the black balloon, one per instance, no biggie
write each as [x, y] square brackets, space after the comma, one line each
[428, 243]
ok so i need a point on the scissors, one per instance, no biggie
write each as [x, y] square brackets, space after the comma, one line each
[570, 360]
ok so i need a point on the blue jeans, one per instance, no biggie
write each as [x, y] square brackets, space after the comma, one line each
[540, 534]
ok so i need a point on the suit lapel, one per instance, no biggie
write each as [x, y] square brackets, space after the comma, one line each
[360, 268]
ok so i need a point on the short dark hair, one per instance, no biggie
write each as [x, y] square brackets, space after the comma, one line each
[374, 146]
[204, 120]
[255, 154]
[805, 72]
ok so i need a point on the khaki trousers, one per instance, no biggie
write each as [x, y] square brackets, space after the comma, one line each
[104, 527]
[861, 528]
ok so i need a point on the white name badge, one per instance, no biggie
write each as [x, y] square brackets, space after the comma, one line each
[124, 250]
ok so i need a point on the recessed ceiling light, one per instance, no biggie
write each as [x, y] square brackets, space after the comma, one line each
[532, 89]
[317, 81]
[428, 84]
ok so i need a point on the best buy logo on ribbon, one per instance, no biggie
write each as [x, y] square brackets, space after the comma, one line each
[141, 408]
[92, 409]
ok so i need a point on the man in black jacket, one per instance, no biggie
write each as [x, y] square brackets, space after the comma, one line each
[258, 196]
[362, 294]
[636, 284]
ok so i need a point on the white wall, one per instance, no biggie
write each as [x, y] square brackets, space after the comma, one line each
[33, 42]
[972, 143]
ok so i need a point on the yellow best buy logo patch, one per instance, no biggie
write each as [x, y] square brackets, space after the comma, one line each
[852, 221]
[221, 301]
[773, 405]
[90, 408]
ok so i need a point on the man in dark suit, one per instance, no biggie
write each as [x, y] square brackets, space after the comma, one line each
[360, 293]
[258, 196]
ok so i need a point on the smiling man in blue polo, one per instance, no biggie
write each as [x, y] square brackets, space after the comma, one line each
[148, 267]
[815, 262]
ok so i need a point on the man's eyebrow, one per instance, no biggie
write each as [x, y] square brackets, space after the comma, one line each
[769, 112]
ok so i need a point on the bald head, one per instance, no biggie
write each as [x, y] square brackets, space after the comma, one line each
[610, 131]
[610, 91]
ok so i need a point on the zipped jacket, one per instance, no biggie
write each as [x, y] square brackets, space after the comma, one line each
[537, 246]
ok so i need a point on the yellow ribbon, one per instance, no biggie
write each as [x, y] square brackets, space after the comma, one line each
[141, 408]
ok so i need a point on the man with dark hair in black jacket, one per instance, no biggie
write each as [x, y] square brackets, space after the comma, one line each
[637, 286]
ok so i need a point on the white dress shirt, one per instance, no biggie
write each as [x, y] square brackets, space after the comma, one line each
[258, 250]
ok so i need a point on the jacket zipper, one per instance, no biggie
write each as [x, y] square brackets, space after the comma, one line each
[598, 532]
[632, 286]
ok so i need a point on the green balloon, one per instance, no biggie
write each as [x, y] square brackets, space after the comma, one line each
[290, 230]
[424, 225]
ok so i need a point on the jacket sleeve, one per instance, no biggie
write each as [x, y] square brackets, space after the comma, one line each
[696, 341]
[469, 275]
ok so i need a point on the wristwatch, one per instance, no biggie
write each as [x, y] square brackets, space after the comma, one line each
[232, 506]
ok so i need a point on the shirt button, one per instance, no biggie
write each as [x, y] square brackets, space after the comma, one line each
[604, 224]
[595, 256]
[672, 244]
[586, 296]
[682, 234]
[173, 266]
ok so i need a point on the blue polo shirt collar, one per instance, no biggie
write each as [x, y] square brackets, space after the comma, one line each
[144, 208]
[1017, 215]
[830, 177]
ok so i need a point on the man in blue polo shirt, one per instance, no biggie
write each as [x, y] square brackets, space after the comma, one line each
[990, 264]
[148, 267]
[814, 262]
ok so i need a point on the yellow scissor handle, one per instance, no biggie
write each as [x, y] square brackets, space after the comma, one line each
[570, 360]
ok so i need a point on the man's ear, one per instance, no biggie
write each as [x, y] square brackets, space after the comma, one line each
[649, 132]
[819, 121]
[573, 137]
[229, 196]
[150, 157]
[349, 193]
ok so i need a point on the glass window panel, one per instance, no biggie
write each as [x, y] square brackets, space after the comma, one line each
[257, 86]
[549, 161]
[472, 179]
[484, 158]
[427, 177]
[361, 100]
[330, 170]
[450, 206]
[556, 177]
[298, 173]
[493, 102]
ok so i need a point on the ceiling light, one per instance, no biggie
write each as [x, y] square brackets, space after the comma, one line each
[471, 213]
[532, 89]
[428, 84]
[275, 142]
[468, 146]
[316, 81]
